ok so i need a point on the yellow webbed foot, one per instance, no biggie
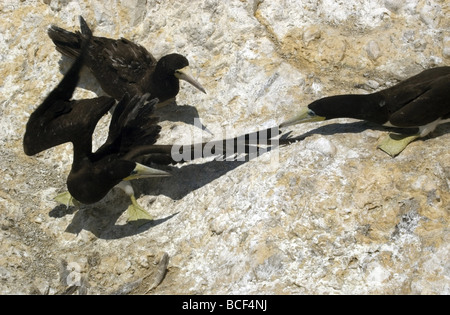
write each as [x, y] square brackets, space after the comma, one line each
[66, 199]
[137, 214]
[393, 144]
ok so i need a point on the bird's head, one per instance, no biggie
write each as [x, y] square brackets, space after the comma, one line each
[178, 66]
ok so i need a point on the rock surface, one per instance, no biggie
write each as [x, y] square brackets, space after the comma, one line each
[329, 214]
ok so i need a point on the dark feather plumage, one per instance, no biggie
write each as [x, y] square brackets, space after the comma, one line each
[59, 119]
[122, 66]
[422, 101]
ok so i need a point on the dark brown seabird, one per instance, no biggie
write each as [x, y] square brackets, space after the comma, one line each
[421, 102]
[122, 66]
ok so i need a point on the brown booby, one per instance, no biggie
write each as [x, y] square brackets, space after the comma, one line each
[421, 102]
[122, 66]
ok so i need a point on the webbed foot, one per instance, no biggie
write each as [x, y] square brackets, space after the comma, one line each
[393, 144]
[137, 214]
[66, 199]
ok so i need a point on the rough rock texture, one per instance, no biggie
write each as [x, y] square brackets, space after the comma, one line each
[329, 214]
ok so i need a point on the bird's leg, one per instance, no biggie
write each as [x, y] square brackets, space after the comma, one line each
[135, 212]
[393, 143]
[66, 199]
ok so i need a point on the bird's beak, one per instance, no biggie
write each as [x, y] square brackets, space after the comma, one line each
[185, 74]
[142, 171]
[305, 115]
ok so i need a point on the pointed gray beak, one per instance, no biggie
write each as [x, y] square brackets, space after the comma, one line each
[142, 171]
[305, 115]
[185, 74]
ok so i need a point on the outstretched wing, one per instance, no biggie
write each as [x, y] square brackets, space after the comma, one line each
[43, 129]
[132, 125]
[59, 119]
[69, 43]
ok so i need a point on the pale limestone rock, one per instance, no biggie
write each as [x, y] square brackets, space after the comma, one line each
[329, 214]
[446, 50]
[373, 50]
[323, 146]
[310, 34]
[394, 5]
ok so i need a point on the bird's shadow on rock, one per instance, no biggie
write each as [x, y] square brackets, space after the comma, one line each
[187, 114]
[358, 127]
[186, 179]
[337, 128]
[101, 218]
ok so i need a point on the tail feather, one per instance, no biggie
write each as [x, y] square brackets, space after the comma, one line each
[67, 43]
[85, 30]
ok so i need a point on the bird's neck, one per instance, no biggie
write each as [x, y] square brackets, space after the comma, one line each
[166, 84]
[368, 107]
[163, 79]
[81, 151]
